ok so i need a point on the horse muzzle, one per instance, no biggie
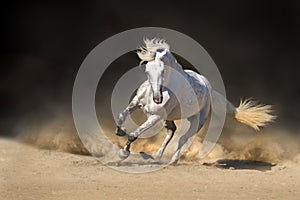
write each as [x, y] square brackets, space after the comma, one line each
[158, 100]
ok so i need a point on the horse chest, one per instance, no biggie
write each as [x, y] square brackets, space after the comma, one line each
[150, 107]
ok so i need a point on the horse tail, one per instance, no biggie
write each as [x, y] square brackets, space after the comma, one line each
[248, 112]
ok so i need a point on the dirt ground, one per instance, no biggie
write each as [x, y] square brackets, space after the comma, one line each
[31, 173]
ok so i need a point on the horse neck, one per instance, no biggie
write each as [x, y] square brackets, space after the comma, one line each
[177, 77]
[175, 65]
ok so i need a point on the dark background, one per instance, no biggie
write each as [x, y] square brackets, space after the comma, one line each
[255, 45]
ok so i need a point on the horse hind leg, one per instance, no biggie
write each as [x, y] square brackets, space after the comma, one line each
[203, 116]
[197, 121]
[194, 123]
[171, 128]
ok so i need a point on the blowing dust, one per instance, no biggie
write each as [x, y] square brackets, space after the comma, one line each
[237, 142]
[57, 135]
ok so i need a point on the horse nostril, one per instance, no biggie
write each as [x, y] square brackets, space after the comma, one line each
[157, 100]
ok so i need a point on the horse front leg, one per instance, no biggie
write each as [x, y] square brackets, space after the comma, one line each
[120, 131]
[151, 121]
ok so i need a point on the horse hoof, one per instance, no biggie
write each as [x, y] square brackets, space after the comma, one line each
[120, 132]
[173, 162]
[158, 155]
[123, 154]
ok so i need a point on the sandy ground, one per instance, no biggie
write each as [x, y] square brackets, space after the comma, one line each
[31, 173]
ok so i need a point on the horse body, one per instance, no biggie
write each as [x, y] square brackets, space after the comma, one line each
[171, 93]
[193, 95]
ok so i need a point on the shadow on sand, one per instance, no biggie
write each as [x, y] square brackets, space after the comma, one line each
[242, 164]
[138, 159]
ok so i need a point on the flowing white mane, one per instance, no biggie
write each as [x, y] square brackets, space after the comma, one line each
[147, 52]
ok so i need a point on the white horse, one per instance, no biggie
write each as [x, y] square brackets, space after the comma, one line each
[172, 93]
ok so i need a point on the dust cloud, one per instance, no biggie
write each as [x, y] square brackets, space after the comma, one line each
[237, 142]
[58, 135]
